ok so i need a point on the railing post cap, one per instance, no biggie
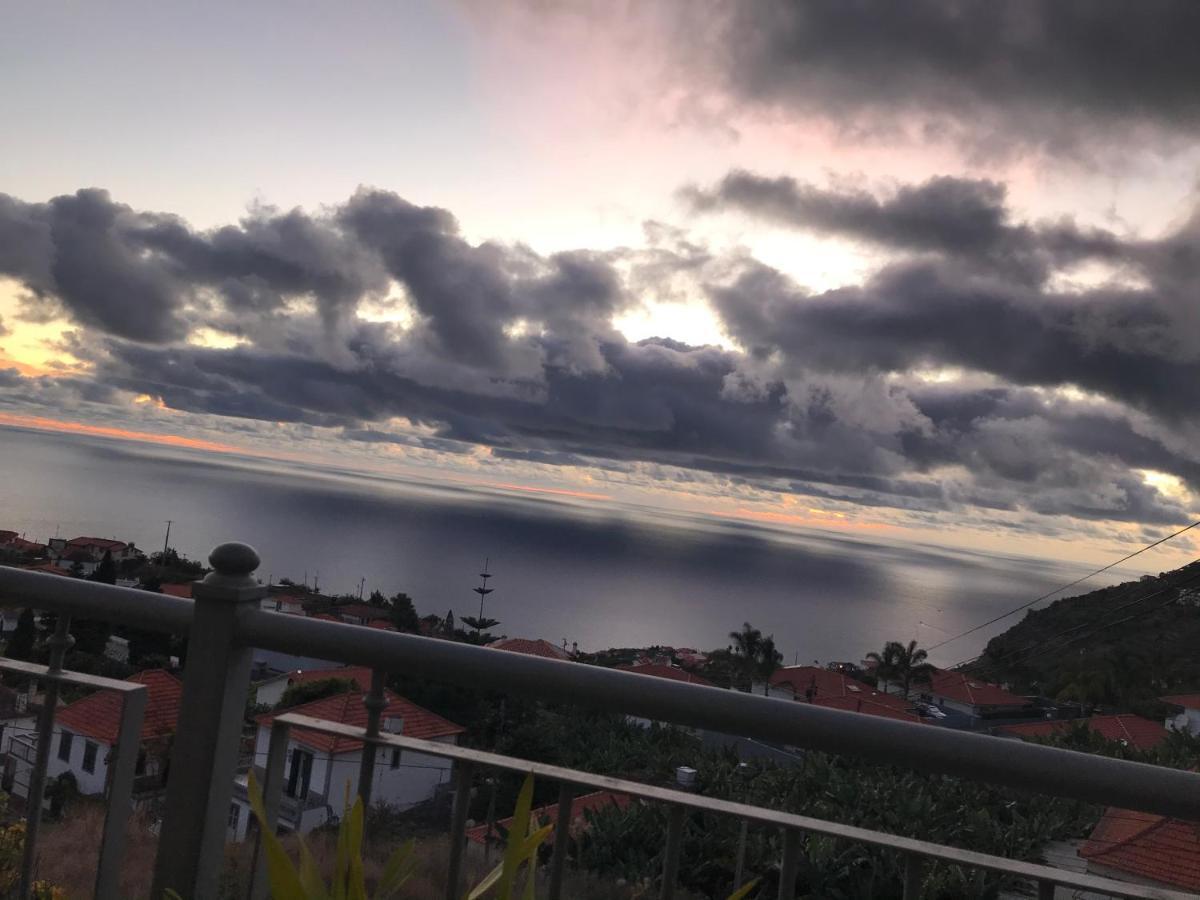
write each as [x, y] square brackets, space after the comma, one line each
[232, 575]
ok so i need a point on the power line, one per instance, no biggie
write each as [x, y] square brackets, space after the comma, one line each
[1057, 590]
[1036, 647]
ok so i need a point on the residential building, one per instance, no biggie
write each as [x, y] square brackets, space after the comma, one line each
[271, 691]
[972, 697]
[360, 613]
[836, 690]
[1188, 717]
[1144, 849]
[86, 732]
[320, 766]
[530, 647]
[1125, 728]
[662, 670]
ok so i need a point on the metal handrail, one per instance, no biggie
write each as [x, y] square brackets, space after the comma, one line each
[224, 623]
[1035, 872]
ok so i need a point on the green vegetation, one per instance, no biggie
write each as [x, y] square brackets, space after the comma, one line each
[754, 657]
[902, 665]
[1119, 647]
[306, 692]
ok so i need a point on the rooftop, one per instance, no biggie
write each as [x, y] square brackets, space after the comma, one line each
[662, 670]
[1135, 731]
[836, 690]
[98, 715]
[1187, 701]
[964, 688]
[348, 709]
[530, 647]
[1149, 846]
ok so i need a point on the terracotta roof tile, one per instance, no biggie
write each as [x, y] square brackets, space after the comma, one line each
[964, 688]
[839, 691]
[178, 590]
[1143, 734]
[1188, 701]
[348, 709]
[660, 670]
[360, 675]
[1148, 846]
[529, 647]
[98, 715]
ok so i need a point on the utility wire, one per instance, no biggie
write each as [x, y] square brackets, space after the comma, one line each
[1035, 649]
[1072, 584]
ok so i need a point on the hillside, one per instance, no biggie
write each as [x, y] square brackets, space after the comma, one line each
[1119, 646]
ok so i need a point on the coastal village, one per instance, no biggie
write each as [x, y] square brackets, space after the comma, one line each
[895, 684]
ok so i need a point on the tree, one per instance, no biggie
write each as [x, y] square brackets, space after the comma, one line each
[480, 624]
[747, 647]
[23, 638]
[376, 598]
[404, 614]
[769, 659]
[91, 635]
[306, 692]
[106, 572]
[903, 665]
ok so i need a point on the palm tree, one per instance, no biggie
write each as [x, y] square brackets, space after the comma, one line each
[747, 647]
[769, 659]
[904, 665]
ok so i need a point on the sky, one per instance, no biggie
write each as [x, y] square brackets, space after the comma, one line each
[926, 270]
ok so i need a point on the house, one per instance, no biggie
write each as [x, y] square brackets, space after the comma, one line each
[965, 694]
[85, 734]
[1125, 728]
[92, 548]
[319, 767]
[836, 690]
[79, 560]
[530, 647]
[14, 545]
[662, 670]
[360, 613]
[1188, 717]
[548, 815]
[1144, 849]
[271, 691]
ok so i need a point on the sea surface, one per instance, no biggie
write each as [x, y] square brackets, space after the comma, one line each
[603, 576]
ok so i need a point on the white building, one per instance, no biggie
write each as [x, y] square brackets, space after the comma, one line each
[1188, 717]
[85, 734]
[320, 767]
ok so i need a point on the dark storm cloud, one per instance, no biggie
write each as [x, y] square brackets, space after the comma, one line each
[1041, 71]
[516, 351]
[958, 217]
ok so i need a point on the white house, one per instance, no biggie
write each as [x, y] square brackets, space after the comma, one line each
[319, 767]
[1188, 717]
[85, 734]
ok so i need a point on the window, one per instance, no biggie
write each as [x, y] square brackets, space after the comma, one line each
[300, 774]
[64, 746]
[89, 756]
[235, 815]
[395, 757]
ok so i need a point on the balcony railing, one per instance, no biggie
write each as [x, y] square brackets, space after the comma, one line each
[224, 623]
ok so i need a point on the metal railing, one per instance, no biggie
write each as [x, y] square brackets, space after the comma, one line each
[224, 623]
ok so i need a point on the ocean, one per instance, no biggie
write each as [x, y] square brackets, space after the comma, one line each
[604, 575]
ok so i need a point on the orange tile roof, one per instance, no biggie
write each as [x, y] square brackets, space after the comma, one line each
[348, 709]
[839, 691]
[549, 815]
[101, 543]
[360, 675]
[1135, 731]
[661, 670]
[178, 590]
[964, 688]
[1187, 701]
[1148, 846]
[98, 715]
[529, 647]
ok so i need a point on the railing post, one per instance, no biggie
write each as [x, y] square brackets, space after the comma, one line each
[376, 703]
[458, 827]
[914, 876]
[121, 773]
[1046, 890]
[205, 753]
[59, 643]
[789, 868]
[671, 856]
[739, 868]
[562, 841]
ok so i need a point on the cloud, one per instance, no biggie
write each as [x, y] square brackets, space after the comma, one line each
[1047, 73]
[1045, 402]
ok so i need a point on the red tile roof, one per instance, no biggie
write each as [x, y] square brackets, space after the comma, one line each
[98, 715]
[838, 691]
[178, 590]
[360, 611]
[100, 543]
[530, 647]
[964, 688]
[50, 567]
[23, 546]
[381, 625]
[1187, 701]
[660, 670]
[1135, 731]
[6, 535]
[348, 709]
[325, 617]
[549, 815]
[1148, 846]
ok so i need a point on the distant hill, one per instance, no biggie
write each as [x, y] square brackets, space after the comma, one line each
[1118, 647]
